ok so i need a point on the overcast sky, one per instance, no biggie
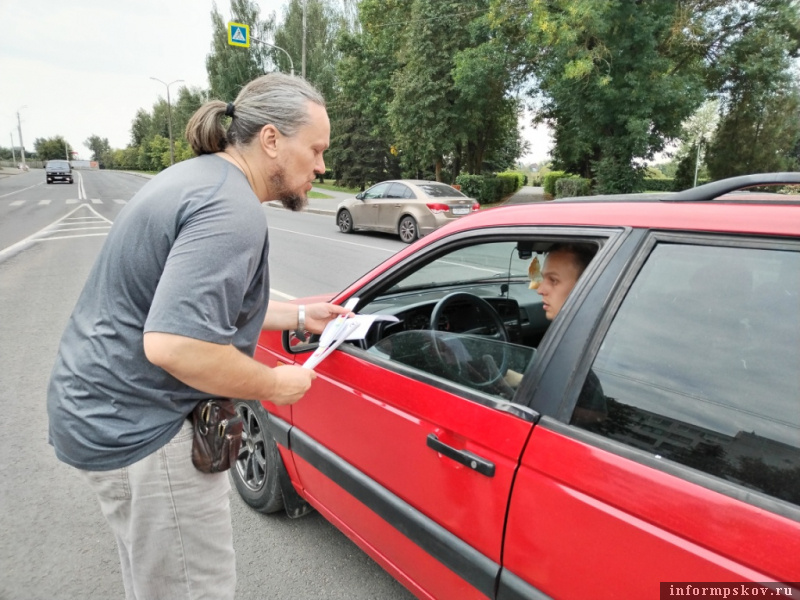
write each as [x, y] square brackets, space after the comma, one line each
[77, 69]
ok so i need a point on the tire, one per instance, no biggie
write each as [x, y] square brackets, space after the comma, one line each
[407, 229]
[49, 181]
[345, 221]
[70, 179]
[256, 472]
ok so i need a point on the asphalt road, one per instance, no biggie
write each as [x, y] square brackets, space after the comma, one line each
[54, 543]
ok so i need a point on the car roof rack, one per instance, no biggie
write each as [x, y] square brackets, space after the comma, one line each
[715, 189]
[703, 193]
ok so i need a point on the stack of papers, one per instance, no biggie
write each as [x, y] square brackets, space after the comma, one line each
[354, 327]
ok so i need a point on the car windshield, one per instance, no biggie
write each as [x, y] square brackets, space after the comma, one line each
[58, 164]
[439, 190]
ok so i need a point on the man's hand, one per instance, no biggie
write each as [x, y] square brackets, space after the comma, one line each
[291, 383]
[320, 314]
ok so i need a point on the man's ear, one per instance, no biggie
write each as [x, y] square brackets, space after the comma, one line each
[268, 138]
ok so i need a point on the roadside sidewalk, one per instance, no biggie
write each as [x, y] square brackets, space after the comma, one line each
[9, 171]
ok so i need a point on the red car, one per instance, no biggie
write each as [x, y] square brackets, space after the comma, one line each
[453, 445]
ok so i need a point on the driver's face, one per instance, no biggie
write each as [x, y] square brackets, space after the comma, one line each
[559, 276]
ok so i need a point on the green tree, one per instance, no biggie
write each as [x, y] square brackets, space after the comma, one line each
[101, 149]
[141, 127]
[489, 138]
[52, 148]
[612, 88]
[615, 79]
[422, 111]
[323, 23]
[759, 129]
[187, 103]
[230, 67]
[362, 147]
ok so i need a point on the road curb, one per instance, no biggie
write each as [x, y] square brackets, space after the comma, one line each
[308, 209]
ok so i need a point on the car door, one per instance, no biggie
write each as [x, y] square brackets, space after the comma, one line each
[415, 468]
[686, 469]
[366, 211]
[392, 206]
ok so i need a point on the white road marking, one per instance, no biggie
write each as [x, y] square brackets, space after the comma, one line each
[281, 294]
[42, 234]
[22, 190]
[72, 201]
[330, 239]
[17, 202]
[68, 237]
[118, 201]
[96, 201]
[44, 202]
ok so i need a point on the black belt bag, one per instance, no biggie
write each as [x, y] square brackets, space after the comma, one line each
[217, 435]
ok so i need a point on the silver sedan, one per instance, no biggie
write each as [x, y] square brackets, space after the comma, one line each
[410, 208]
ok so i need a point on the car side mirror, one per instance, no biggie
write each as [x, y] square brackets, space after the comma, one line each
[295, 345]
[360, 196]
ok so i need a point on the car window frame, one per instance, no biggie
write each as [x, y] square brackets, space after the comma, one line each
[557, 417]
[388, 184]
[611, 238]
[391, 187]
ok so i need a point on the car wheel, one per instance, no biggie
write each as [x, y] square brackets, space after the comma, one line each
[345, 221]
[70, 179]
[408, 229]
[255, 473]
[49, 181]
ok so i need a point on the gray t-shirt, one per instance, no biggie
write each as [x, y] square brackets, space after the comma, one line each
[188, 256]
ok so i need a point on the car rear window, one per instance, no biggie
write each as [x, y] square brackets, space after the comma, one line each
[439, 190]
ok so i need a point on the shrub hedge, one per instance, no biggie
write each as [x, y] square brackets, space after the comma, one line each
[665, 184]
[549, 182]
[487, 189]
[567, 187]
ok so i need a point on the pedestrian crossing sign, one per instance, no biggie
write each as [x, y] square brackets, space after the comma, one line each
[239, 35]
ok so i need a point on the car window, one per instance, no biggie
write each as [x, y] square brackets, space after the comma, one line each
[440, 190]
[58, 164]
[701, 365]
[398, 190]
[376, 191]
[471, 316]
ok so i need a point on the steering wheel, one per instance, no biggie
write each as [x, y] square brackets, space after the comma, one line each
[488, 371]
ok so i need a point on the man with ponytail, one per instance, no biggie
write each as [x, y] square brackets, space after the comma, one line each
[170, 316]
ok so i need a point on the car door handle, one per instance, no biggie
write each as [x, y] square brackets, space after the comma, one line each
[473, 461]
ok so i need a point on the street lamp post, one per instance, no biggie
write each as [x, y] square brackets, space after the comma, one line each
[13, 156]
[21, 144]
[291, 62]
[169, 118]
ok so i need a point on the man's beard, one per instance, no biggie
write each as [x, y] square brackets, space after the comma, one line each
[291, 200]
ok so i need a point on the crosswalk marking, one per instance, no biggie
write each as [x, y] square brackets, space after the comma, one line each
[47, 201]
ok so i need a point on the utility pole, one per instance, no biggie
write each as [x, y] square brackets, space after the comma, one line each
[66, 149]
[21, 144]
[303, 70]
[13, 156]
[697, 160]
[169, 119]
